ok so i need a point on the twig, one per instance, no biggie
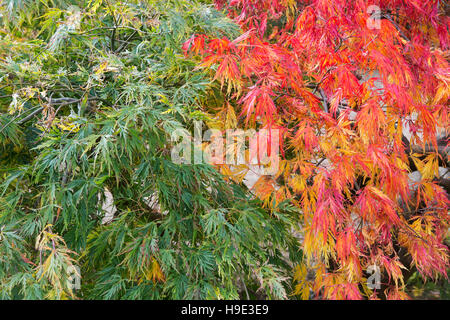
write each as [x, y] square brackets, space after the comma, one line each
[126, 42]
[388, 17]
[31, 115]
[12, 120]
[324, 99]
[113, 33]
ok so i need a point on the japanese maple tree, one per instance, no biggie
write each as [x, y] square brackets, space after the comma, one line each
[91, 204]
[359, 90]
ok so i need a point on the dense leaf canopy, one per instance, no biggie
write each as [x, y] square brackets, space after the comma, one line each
[90, 94]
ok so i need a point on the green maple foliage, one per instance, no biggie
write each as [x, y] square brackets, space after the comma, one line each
[90, 94]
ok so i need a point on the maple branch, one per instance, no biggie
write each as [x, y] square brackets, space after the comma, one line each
[324, 99]
[442, 150]
[444, 183]
[320, 162]
[126, 42]
[68, 101]
[322, 80]
[113, 33]
[415, 234]
[31, 115]
[388, 17]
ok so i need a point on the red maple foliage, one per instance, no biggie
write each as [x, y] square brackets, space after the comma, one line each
[363, 100]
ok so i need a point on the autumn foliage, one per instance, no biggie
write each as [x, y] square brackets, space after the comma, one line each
[362, 102]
